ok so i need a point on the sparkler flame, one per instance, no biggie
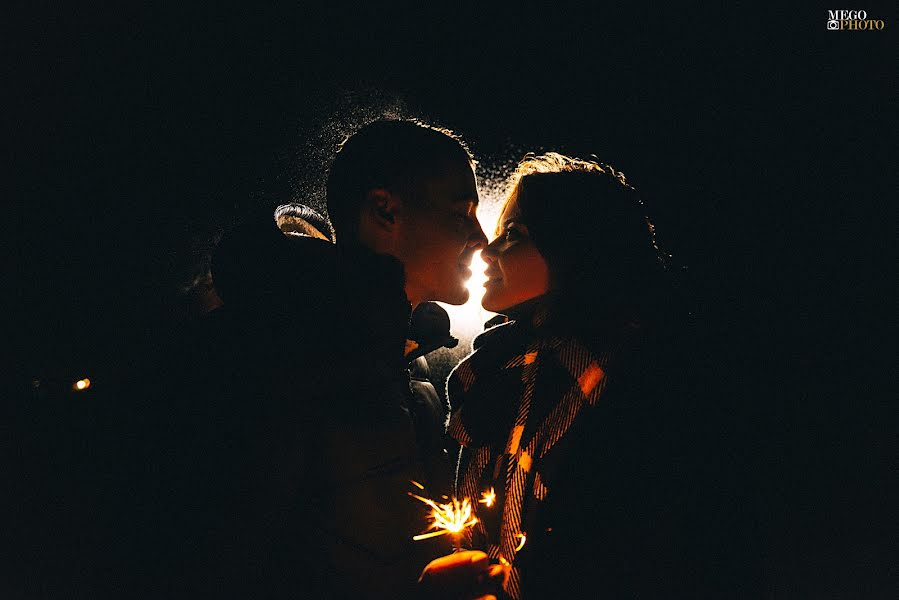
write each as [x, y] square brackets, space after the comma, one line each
[488, 498]
[452, 517]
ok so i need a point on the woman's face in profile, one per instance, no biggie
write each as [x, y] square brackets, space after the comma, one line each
[516, 271]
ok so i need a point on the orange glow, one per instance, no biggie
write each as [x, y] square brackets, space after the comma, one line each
[82, 384]
[590, 378]
[452, 517]
[488, 497]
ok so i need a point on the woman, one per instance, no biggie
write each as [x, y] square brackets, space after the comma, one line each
[558, 411]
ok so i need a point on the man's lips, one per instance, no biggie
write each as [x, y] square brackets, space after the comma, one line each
[464, 265]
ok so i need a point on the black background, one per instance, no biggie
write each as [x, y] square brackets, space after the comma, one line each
[761, 141]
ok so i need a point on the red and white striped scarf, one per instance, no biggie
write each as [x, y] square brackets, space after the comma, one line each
[518, 395]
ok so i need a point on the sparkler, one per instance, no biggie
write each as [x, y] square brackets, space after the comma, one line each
[452, 517]
[524, 538]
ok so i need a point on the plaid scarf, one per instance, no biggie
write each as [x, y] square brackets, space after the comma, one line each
[515, 397]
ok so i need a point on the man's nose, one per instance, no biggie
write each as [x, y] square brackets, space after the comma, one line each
[478, 240]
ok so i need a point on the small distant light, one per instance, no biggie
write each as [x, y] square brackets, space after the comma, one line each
[82, 384]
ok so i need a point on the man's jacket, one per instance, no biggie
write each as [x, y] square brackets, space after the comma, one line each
[286, 453]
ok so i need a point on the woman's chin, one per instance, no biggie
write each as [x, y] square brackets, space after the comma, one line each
[490, 304]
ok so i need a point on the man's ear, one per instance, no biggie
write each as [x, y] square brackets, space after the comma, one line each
[382, 207]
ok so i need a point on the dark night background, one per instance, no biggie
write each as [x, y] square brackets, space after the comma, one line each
[761, 142]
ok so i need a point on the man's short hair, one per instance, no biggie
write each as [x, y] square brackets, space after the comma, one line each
[299, 219]
[396, 155]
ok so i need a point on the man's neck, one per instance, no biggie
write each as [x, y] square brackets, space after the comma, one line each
[415, 294]
[415, 297]
[414, 300]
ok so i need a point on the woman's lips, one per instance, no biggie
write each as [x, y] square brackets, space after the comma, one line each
[493, 277]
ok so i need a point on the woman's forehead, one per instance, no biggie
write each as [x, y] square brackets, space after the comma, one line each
[511, 211]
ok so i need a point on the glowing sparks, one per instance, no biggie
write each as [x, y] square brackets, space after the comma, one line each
[82, 384]
[524, 538]
[488, 498]
[452, 517]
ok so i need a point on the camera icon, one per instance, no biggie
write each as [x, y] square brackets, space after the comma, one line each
[833, 25]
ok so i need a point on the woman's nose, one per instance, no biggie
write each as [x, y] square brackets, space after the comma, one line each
[478, 239]
[488, 254]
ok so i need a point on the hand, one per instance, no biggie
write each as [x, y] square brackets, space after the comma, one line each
[464, 575]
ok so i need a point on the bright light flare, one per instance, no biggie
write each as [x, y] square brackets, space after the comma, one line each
[468, 319]
[475, 284]
[453, 517]
[488, 497]
[81, 384]
[520, 545]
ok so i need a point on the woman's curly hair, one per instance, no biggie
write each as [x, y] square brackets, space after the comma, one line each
[590, 225]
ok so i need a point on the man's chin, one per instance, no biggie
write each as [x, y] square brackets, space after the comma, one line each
[456, 297]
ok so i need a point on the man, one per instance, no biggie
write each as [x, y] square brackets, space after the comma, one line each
[302, 434]
[405, 194]
[408, 191]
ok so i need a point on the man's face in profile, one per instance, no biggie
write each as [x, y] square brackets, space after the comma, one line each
[439, 235]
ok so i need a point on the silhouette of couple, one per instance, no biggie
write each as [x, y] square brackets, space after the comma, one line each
[307, 408]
